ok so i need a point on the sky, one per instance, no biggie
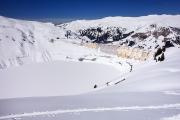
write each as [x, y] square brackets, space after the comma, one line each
[85, 9]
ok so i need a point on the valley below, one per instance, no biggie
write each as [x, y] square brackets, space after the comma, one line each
[111, 68]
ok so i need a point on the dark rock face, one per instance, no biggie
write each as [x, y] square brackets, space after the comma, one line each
[152, 37]
[113, 34]
[176, 30]
[131, 43]
[159, 54]
[68, 34]
[128, 34]
[140, 36]
[102, 38]
[99, 35]
[91, 33]
[168, 44]
[162, 31]
[162, 57]
[177, 41]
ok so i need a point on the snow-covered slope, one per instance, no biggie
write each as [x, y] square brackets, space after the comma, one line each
[127, 22]
[29, 42]
[152, 76]
[64, 79]
[146, 32]
[23, 42]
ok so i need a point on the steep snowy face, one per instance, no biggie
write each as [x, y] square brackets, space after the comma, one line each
[21, 39]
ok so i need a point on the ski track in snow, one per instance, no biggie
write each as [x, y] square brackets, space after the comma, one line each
[172, 92]
[102, 109]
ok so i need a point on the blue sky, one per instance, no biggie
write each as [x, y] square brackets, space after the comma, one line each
[85, 9]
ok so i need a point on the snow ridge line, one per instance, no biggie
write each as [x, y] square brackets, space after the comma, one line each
[165, 106]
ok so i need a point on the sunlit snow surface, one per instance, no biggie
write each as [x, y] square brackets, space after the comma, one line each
[62, 88]
[137, 98]
[126, 106]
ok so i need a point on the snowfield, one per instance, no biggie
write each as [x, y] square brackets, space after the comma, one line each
[127, 105]
[153, 76]
[138, 108]
[53, 79]
[68, 78]
[176, 117]
[47, 72]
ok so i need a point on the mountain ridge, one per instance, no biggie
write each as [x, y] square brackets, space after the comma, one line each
[29, 41]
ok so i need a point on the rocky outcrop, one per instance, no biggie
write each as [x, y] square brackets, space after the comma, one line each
[141, 36]
[162, 31]
[138, 44]
[159, 54]
[105, 35]
[133, 53]
[121, 51]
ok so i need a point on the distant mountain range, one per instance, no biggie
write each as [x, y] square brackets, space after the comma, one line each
[29, 41]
